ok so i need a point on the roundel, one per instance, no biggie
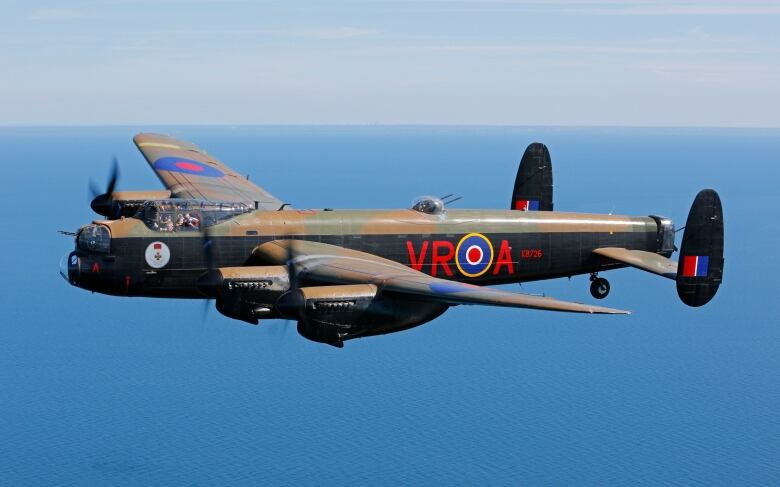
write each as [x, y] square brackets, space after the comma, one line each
[187, 166]
[157, 255]
[473, 255]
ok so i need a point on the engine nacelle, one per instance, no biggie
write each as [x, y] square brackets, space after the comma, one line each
[124, 203]
[332, 314]
[246, 293]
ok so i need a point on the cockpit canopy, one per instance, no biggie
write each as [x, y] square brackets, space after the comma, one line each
[176, 215]
[428, 204]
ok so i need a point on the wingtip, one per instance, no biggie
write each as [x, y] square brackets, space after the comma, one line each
[609, 311]
[141, 135]
[147, 136]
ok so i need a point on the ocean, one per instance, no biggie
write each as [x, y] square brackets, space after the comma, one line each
[99, 390]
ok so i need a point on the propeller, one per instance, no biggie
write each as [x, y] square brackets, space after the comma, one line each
[208, 255]
[292, 267]
[103, 201]
[293, 300]
[287, 302]
[290, 303]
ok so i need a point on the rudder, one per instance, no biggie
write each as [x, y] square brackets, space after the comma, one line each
[700, 268]
[534, 184]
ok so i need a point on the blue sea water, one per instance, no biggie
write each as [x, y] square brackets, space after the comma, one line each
[98, 390]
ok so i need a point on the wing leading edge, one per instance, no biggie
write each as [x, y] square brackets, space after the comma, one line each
[189, 172]
[337, 265]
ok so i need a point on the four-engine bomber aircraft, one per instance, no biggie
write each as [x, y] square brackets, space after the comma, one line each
[347, 274]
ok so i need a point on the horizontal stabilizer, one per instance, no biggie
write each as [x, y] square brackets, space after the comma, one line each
[700, 270]
[646, 261]
[534, 182]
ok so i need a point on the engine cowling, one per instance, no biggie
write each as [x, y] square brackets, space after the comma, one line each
[246, 293]
[325, 314]
[332, 314]
[124, 203]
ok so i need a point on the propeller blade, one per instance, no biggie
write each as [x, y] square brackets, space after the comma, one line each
[94, 189]
[208, 255]
[206, 307]
[208, 249]
[290, 303]
[113, 178]
[292, 266]
[103, 201]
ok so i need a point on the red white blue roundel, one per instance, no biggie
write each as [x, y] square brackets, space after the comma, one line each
[473, 255]
[187, 166]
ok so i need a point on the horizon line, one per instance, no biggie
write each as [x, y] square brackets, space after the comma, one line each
[389, 125]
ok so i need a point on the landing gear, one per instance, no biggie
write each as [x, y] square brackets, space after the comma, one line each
[599, 287]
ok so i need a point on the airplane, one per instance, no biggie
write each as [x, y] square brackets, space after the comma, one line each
[344, 274]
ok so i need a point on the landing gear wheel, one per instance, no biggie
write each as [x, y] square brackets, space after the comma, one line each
[599, 288]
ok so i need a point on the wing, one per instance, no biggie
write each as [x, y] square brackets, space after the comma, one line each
[189, 172]
[647, 261]
[337, 265]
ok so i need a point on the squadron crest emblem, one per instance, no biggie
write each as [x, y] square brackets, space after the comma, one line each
[157, 255]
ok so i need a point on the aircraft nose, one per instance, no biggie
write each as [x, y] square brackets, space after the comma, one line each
[69, 264]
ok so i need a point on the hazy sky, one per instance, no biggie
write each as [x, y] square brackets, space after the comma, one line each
[531, 62]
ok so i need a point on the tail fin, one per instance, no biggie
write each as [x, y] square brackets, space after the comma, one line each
[700, 268]
[534, 183]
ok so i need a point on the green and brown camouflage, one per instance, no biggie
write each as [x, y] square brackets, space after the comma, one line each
[344, 274]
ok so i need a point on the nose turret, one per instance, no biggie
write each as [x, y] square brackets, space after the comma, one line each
[91, 266]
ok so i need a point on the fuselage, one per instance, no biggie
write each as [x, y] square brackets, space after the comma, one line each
[476, 246]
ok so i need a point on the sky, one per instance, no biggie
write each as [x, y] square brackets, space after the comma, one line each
[510, 62]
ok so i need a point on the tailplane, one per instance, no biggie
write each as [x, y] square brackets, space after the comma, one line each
[700, 268]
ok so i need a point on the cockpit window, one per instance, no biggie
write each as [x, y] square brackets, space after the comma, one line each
[94, 238]
[187, 215]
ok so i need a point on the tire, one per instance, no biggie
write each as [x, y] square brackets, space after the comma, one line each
[599, 288]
